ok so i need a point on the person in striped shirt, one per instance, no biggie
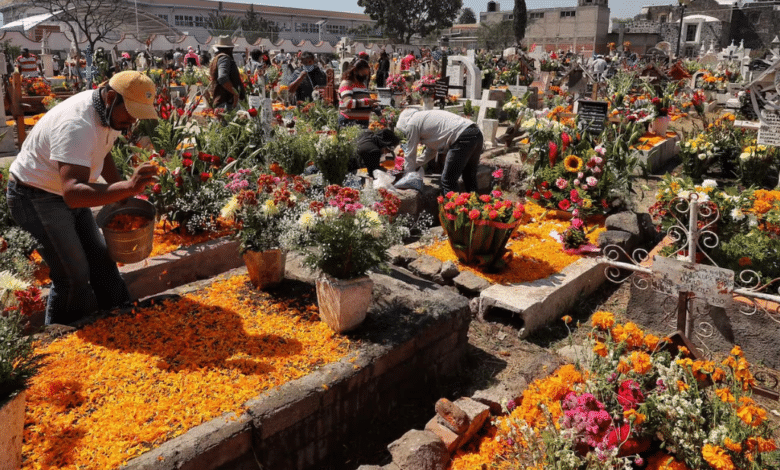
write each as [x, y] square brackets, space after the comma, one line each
[355, 102]
[29, 65]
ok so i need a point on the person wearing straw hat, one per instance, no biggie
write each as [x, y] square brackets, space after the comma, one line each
[53, 183]
[226, 86]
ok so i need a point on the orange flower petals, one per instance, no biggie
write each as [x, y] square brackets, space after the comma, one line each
[126, 384]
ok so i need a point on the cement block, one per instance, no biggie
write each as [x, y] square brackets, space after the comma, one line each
[661, 153]
[543, 301]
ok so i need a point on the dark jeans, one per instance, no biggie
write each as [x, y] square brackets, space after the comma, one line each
[462, 160]
[84, 277]
[344, 122]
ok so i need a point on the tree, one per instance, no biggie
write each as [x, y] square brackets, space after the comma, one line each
[91, 19]
[520, 19]
[401, 19]
[222, 25]
[495, 36]
[256, 27]
[467, 16]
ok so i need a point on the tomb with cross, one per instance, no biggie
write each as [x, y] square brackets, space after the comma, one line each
[687, 280]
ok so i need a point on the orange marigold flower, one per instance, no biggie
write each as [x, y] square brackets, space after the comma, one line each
[718, 374]
[744, 261]
[603, 320]
[751, 415]
[641, 362]
[567, 319]
[634, 416]
[664, 461]
[736, 351]
[623, 367]
[725, 395]
[600, 349]
[766, 445]
[651, 342]
[717, 457]
[735, 447]
[682, 386]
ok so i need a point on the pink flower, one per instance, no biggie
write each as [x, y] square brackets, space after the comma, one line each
[596, 170]
[576, 182]
[574, 195]
[591, 181]
[575, 213]
[484, 198]
[553, 147]
[493, 214]
[580, 175]
[577, 223]
[564, 205]
[496, 193]
[561, 183]
[498, 173]
[474, 214]
[584, 187]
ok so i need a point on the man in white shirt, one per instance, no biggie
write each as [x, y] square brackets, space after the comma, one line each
[443, 131]
[600, 67]
[53, 183]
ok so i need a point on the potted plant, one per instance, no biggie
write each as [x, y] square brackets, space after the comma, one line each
[264, 214]
[345, 236]
[18, 363]
[478, 227]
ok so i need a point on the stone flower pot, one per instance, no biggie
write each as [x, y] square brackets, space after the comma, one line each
[343, 303]
[265, 268]
[11, 430]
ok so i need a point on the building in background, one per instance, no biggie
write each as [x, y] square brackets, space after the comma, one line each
[191, 16]
[582, 28]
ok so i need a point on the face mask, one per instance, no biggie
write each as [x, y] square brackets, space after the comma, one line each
[309, 68]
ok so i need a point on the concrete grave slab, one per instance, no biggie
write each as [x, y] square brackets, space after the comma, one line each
[542, 302]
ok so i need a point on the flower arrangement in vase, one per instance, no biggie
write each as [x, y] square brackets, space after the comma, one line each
[397, 83]
[478, 227]
[345, 235]
[425, 86]
[264, 214]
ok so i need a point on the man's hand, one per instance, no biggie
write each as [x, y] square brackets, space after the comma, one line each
[142, 177]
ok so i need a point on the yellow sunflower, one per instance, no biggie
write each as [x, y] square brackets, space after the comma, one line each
[572, 163]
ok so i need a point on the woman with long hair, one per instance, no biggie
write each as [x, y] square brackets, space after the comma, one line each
[355, 102]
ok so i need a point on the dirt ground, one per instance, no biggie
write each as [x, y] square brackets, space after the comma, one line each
[497, 354]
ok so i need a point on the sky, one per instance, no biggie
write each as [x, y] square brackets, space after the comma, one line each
[618, 9]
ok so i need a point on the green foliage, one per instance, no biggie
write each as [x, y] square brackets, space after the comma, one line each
[468, 108]
[238, 137]
[495, 36]
[292, 151]
[255, 27]
[18, 360]
[316, 115]
[520, 19]
[15, 258]
[754, 250]
[122, 152]
[222, 25]
[333, 153]
[467, 16]
[402, 19]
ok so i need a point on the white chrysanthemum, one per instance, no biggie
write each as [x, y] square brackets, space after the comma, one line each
[752, 220]
[737, 214]
[306, 220]
[744, 156]
[229, 211]
[8, 285]
[709, 184]
[269, 208]
[329, 212]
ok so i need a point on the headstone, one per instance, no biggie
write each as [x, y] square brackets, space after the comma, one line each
[48, 65]
[592, 115]
[711, 283]
[769, 132]
[441, 89]
[385, 95]
[473, 76]
[709, 59]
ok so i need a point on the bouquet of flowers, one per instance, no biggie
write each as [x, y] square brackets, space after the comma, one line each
[272, 76]
[478, 227]
[334, 149]
[35, 86]
[755, 163]
[396, 83]
[347, 233]
[638, 401]
[425, 86]
[265, 213]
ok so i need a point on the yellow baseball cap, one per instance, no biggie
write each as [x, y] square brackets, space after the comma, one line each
[138, 92]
